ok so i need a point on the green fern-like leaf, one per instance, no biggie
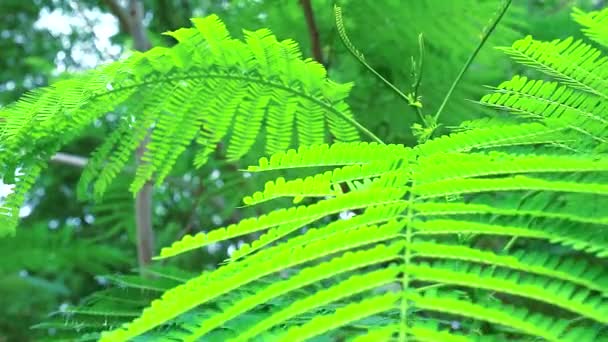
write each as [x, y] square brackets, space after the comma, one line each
[208, 88]
[595, 24]
[495, 232]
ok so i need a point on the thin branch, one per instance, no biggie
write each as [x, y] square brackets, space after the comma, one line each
[484, 38]
[81, 162]
[70, 159]
[198, 195]
[313, 31]
[359, 56]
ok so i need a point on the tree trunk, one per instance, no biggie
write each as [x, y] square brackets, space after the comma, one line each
[131, 19]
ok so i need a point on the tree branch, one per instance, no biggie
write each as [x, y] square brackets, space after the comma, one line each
[143, 199]
[120, 13]
[313, 31]
[136, 26]
[70, 159]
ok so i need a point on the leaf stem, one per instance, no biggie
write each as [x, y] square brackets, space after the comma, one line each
[403, 331]
[467, 64]
[359, 56]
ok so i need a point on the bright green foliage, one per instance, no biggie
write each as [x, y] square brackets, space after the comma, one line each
[496, 232]
[595, 23]
[373, 26]
[572, 62]
[207, 88]
[500, 229]
[399, 25]
[577, 103]
[428, 220]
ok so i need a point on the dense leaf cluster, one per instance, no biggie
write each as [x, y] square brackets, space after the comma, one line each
[496, 231]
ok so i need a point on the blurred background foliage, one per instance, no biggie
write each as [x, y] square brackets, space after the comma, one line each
[67, 248]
